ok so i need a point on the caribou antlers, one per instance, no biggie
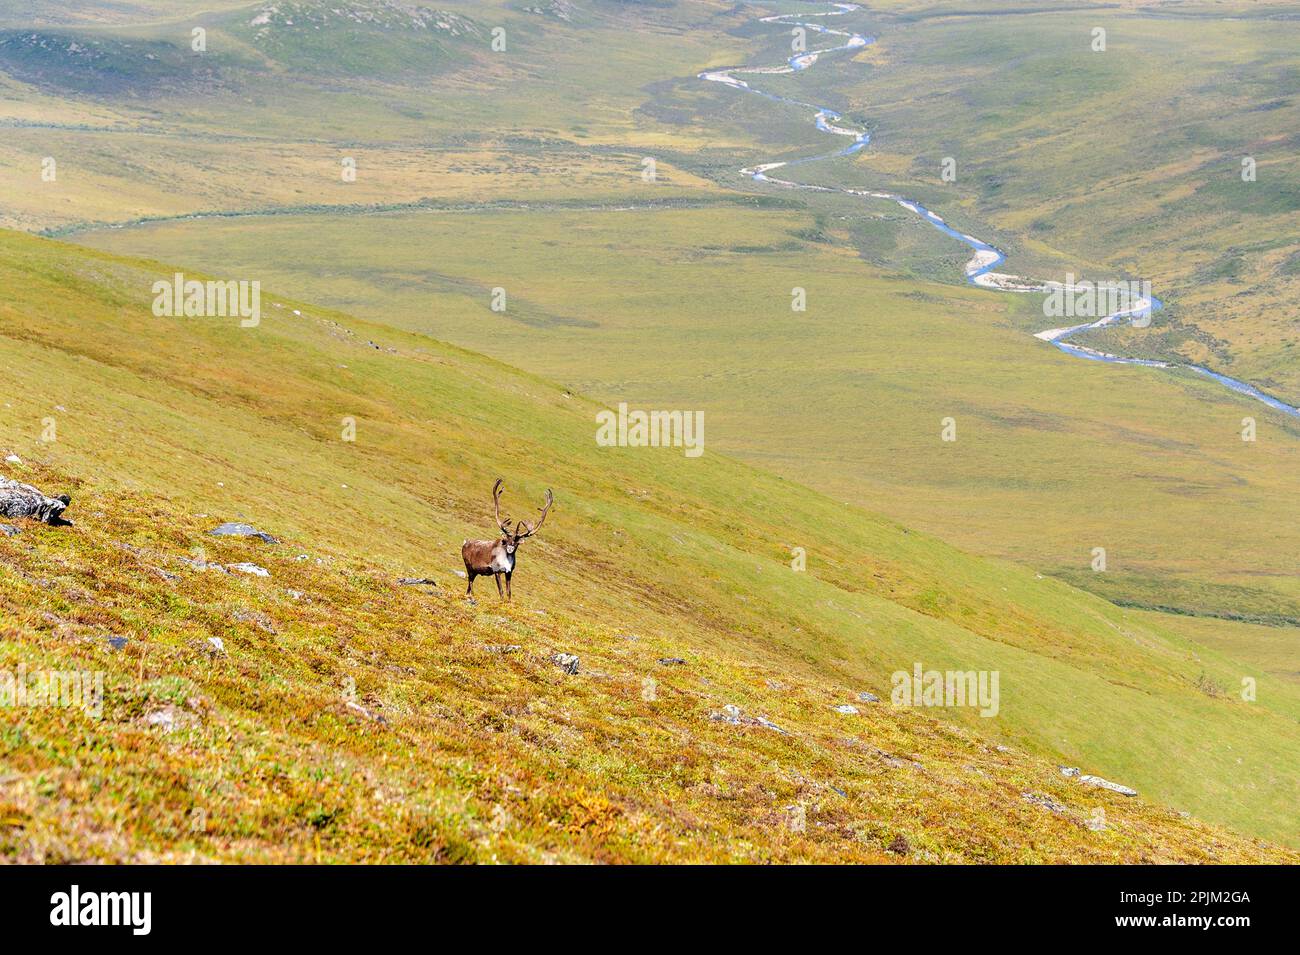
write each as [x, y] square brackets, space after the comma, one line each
[534, 528]
[497, 557]
[496, 506]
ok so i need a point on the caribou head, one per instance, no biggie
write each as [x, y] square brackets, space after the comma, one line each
[497, 557]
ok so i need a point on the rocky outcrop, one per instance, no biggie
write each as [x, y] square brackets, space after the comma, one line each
[236, 529]
[23, 500]
[568, 662]
[1087, 780]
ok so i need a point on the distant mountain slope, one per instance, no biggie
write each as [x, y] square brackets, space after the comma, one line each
[164, 427]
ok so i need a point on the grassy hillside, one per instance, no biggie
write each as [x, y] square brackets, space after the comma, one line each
[690, 307]
[165, 427]
[538, 152]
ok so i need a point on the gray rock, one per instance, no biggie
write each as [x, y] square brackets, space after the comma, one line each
[238, 529]
[416, 581]
[671, 661]
[866, 697]
[1107, 784]
[848, 709]
[252, 569]
[1045, 801]
[1089, 780]
[764, 722]
[23, 500]
[8, 530]
[732, 715]
[117, 643]
[365, 713]
[567, 662]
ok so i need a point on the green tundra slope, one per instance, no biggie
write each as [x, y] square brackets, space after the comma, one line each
[350, 717]
[522, 169]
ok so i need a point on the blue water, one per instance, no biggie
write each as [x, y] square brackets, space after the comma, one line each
[823, 119]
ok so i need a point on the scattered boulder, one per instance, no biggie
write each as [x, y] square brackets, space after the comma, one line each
[866, 697]
[768, 724]
[732, 715]
[671, 662]
[567, 662]
[1107, 784]
[416, 581]
[848, 709]
[1045, 801]
[239, 529]
[218, 646]
[1089, 780]
[8, 530]
[23, 500]
[365, 713]
[117, 643]
[251, 569]
[13, 459]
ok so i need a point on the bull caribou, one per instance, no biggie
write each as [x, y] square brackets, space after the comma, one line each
[497, 557]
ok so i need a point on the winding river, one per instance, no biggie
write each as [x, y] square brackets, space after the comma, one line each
[986, 258]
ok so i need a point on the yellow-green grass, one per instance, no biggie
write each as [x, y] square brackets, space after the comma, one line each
[546, 120]
[1270, 649]
[106, 178]
[166, 426]
[691, 308]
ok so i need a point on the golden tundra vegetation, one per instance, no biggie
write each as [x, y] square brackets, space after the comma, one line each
[348, 717]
